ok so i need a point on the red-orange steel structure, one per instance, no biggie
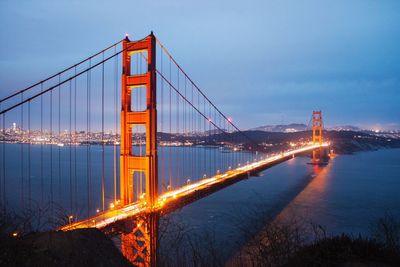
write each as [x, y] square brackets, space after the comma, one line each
[140, 245]
[139, 240]
[316, 134]
[147, 118]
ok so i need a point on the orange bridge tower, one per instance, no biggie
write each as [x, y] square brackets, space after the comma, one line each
[317, 135]
[139, 246]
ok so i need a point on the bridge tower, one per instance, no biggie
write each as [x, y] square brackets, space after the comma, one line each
[140, 244]
[317, 134]
[147, 118]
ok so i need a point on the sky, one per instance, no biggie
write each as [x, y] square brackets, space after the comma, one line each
[261, 62]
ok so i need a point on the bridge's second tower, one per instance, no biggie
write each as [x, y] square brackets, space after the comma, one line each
[317, 127]
[316, 134]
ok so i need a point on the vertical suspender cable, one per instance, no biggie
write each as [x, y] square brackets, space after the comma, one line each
[221, 160]
[75, 145]
[192, 135]
[162, 124]
[210, 126]
[193, 130]
[88, 140]
[205, 138]
[102, 135]
[41, 147]
[176, 155]
[59, 140]
[70, 147]
[184, 133]
[115, 122]
[51, 155]
[22, 152]
[90, 137]
[170, 130]
[200, 135]
[231, 158]
[4, 165]
[29, 156]
[214, 141]
[224, 155]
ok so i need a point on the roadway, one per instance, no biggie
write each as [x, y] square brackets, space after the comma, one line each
[173, 199]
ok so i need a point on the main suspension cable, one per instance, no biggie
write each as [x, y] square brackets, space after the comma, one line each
[59, 73]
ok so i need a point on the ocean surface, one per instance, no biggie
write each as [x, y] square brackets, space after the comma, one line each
[344, 196]
[70, 177]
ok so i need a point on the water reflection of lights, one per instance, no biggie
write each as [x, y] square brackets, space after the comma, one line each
[299, 206]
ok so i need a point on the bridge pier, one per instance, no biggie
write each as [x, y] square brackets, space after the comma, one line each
[139, 243]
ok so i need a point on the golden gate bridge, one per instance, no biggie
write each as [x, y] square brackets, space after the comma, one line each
[149, 115]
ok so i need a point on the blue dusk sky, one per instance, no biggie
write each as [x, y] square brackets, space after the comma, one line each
[261, 62]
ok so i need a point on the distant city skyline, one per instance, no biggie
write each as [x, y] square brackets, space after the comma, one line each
[264, 62]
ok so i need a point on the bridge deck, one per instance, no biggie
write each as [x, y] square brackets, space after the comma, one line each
[174, 199]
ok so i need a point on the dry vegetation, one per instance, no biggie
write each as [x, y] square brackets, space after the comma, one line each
[266, 242]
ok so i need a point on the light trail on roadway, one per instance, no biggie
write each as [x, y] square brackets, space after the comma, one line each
[103, 219]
